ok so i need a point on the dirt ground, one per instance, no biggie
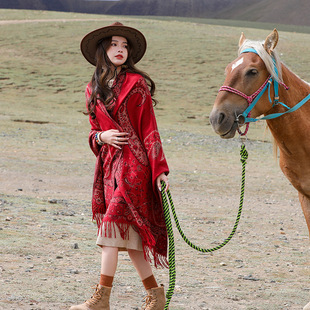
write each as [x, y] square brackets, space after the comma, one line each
[48, 255]
[49, 259]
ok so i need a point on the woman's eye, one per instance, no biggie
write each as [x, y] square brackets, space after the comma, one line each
[252, 72]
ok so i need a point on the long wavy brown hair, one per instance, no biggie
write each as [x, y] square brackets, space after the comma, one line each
[105, 71]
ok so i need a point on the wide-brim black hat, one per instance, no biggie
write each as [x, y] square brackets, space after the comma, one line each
[136, 40]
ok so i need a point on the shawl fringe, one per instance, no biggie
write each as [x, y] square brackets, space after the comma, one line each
[109, 229]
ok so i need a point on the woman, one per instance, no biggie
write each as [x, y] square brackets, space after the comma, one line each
[130, 161]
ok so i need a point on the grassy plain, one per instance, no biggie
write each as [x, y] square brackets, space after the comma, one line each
[46, 169]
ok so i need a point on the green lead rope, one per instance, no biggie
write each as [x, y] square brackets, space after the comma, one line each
[172, 271]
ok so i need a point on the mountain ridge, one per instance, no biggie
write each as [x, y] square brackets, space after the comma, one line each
[277, 11]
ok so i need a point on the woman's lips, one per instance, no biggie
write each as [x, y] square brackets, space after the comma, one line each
[119, 56]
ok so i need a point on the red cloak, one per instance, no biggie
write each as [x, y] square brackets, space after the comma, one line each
[124, 190]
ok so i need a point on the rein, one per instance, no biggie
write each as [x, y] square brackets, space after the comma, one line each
[164, 194]
[253, 99]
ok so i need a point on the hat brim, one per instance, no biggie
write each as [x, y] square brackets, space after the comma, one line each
[135, 37]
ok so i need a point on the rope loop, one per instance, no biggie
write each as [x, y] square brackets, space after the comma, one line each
[172, 270]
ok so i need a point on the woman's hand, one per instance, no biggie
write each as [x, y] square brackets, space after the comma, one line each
[114, 138]
[162, 177]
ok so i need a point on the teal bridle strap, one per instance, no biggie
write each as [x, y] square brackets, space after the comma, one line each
[253, 99]
[246, 113]
[248, 110]
[249, 50]
[275, 115]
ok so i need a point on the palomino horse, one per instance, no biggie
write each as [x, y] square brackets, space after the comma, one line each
[280, 97]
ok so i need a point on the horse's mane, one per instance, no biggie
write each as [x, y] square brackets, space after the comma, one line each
[267, 59]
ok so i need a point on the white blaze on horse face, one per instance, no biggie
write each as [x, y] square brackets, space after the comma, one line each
[236, 64]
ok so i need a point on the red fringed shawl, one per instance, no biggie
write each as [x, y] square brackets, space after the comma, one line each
[124, 190]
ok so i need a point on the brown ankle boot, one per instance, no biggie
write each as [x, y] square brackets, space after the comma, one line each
[155, 299]
[99, 301]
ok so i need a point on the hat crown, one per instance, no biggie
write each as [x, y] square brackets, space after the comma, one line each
[117, 24]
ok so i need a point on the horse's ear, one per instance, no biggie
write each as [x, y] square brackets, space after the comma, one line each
[271, 41]
[242, 39]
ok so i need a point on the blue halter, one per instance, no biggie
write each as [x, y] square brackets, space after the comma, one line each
[276, 97]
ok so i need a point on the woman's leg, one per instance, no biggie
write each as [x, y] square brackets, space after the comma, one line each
[143, 268]
[156, 295]
[100, 299]
[109, 259]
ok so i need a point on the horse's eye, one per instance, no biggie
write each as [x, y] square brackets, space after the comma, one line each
[252, 72]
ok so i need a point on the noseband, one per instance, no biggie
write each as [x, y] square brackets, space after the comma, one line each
[249, 99]
[253, 99]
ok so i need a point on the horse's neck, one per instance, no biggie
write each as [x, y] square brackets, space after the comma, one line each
[291, 130]
[298, 87]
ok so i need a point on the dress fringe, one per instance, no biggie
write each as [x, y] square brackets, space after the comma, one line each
[148, 241]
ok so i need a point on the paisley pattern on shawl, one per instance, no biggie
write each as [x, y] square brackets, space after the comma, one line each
[124, 190]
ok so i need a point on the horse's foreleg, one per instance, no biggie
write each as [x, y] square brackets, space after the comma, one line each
[305, 205]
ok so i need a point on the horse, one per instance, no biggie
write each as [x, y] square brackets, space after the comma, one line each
[278, 96]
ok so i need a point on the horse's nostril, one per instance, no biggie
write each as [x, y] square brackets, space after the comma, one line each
[221, 118]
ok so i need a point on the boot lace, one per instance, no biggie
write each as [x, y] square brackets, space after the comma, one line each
[95, 298]
[149, 302]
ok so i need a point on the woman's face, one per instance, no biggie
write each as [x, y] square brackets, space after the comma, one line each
[118, 51]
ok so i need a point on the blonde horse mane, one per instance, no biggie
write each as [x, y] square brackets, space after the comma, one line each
[267, 59]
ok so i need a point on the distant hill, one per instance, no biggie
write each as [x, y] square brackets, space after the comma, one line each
[291, 12]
